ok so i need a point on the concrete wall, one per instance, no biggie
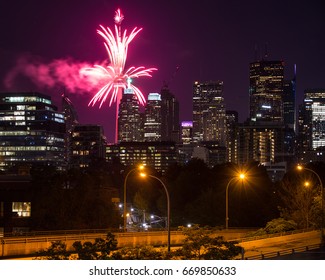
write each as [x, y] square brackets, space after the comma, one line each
[14, 246]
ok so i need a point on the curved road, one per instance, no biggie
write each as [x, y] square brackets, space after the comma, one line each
[282, 243]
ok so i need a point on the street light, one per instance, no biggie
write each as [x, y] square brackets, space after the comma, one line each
[300, 167]
[140, 167]
[241, 176]
[168, 207]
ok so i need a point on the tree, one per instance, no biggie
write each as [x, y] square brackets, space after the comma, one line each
[139, 253]
[276, 226]
[99, 250]
[56, 251]
[298, 202]
[199, 244]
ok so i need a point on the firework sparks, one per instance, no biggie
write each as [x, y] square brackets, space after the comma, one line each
[115, 76]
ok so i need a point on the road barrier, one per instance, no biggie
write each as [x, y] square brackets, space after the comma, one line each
[274, 254]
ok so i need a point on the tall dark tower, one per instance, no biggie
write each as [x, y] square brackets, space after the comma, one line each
[129, 120]
[289, 102]
[266, 90]
[289, 114]
[169, 116]
[71, 120]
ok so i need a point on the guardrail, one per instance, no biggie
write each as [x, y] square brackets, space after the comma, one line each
[274, 254]
[77, 236]
[271, 235]
[112, 230]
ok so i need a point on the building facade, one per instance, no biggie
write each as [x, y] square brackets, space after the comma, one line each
[209, 113]
[312, 121]
[87, 145]
[32, 131]
[71, 119]
[169, 116]
[129, 119]
[152, 115]
[15, 204]
[158, 155]
[261, 142]
[266, 90]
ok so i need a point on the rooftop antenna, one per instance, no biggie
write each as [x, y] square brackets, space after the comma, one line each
[266, 52]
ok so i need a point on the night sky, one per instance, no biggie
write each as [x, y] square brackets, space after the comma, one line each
[208, 40]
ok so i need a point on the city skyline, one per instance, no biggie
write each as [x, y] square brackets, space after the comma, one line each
[211, 41]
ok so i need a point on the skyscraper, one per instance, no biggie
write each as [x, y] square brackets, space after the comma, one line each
[71, 119]
[129, 120]
[289, 103]
[266, 90]
[209, 113]
[152, 122]
[289, 114]
[232, 132]
[312, 125]
[169, 116]
[32, 131]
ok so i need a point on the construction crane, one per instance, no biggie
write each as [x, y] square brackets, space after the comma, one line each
[165, 83]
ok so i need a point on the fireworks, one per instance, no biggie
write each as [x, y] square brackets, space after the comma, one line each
[115, 76]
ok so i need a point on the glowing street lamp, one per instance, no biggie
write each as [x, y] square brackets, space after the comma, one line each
[307, 184]
[168, 207]
[300, 168]
[241, 176]
[140, 167]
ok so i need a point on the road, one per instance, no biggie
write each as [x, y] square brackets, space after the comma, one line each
[253, 249]
[285, 244]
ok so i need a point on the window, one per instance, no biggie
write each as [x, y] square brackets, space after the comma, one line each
[21, 209]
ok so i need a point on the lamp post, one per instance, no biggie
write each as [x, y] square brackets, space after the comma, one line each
[299, 167]
[168, 207]
[242, 177]
[124, 194]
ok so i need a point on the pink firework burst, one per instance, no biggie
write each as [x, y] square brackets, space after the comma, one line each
[115, 76]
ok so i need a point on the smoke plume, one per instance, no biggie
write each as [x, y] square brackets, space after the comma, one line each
[65, 73]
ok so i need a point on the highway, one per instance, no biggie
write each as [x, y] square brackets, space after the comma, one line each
[254, 248]
[270, 247]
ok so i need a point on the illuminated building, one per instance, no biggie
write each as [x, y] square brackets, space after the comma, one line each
[261, 142]
[266, 90]
[317, 111]
[32, 131]
[152, 122]
[209, 114]
[186, 132]
[232, 131]
[15, 204]
[312, 125]
[129, 120]
[169, 116]
[87, 145]
[158, 155]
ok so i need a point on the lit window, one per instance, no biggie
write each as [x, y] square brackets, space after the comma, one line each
[21, 209]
